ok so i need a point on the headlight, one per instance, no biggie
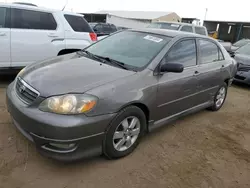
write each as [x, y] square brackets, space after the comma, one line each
[21, 71]
[69, 104]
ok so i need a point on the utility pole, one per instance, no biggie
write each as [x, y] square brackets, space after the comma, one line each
[205, 17]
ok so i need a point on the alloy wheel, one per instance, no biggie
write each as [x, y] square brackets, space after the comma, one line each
[126, 133]
[220, 97]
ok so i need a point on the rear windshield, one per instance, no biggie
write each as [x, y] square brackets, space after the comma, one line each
[78, 23]
[160, 25]
[200, 30]
[135, 49]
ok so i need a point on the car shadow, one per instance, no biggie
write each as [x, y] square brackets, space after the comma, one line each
[241, 85]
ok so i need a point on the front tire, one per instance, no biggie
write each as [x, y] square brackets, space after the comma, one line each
[124, 133]
[219, 98]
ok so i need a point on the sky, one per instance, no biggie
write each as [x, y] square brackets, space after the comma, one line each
[216, 9]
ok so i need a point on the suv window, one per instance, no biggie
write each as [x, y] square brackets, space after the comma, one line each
[183, 52]
[187, 28]
[78, 23]
[3, 13]
[29, 19]
[200, 30]
[209, 52]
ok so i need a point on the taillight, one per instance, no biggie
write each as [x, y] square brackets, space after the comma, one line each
[93, 36]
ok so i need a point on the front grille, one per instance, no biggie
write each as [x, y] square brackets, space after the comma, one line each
[244, 68]
[240, 77]
[25, 92]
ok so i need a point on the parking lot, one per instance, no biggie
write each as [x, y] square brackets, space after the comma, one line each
[206, 150]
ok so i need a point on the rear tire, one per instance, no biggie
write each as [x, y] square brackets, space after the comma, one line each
[219, 98]
[124, 133]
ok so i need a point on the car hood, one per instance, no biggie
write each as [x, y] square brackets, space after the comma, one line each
[234, 48]
[242, 59]
[70, 73]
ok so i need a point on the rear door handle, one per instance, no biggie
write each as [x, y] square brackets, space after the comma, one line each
[2, 34]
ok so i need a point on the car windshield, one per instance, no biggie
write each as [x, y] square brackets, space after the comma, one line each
[241, 43]
[131, 48]
[161, 25]
[244, 49]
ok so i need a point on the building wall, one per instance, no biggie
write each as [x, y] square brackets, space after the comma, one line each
[129, 23]
[173, 17]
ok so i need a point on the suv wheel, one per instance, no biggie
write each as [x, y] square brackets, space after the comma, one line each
[220, 98]
[124, 133]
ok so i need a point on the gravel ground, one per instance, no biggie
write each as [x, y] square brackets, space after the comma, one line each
[204, 150]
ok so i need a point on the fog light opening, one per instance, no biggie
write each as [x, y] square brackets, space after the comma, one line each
[63, 146]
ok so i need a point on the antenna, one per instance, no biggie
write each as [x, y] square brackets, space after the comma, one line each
[65, 5]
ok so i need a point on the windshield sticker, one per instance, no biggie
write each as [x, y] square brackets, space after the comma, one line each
[175, 25]
[154, 39]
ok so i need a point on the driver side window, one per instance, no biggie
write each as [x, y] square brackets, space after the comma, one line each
[183, 52]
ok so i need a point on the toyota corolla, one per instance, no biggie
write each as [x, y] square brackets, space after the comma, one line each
[101, 100]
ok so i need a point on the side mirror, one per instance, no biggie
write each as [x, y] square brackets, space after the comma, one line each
[172, 67]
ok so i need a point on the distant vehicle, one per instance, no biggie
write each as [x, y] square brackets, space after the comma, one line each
[29, 33]
[239, 44]
[179, 26]
[226, 45]
[103, 99]
[102, 29]
[121, 28]
[242, 56]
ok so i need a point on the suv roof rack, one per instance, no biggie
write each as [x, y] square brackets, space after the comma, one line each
[23, 3]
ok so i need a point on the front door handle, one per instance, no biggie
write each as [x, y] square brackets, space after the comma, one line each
[2, 34]
[52, 35]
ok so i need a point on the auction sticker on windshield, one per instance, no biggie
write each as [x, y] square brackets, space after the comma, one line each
[152, 38]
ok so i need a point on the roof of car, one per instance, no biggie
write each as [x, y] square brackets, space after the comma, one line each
[36, 8]
[169, 33]
[179, 23]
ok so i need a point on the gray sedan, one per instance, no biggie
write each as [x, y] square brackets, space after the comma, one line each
[103, 99]
[242, 56]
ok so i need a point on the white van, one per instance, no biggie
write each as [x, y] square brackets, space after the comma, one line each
[179, 26]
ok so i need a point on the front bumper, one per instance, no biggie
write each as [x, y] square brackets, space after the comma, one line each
[242, 77]
[85, 134]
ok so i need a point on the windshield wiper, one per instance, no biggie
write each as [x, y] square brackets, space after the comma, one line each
[105, 59]
[93, 56]
[115, 62]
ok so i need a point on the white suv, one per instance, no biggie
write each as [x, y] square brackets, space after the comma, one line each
[30, 33]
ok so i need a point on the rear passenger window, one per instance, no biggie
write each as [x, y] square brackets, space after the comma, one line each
[200, 30]
[183, 52]
[187, 29]
[29, 19]
[78, 23]
[99, 28]
[3, 13]
[209, 52]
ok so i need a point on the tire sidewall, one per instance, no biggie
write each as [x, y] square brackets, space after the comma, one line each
[108, 148]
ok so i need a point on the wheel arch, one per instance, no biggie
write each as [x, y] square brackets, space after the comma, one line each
[140, 105]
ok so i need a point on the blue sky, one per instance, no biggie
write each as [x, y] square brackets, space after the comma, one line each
[217, 9]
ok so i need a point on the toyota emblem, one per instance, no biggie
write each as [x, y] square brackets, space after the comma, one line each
[22, 89]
